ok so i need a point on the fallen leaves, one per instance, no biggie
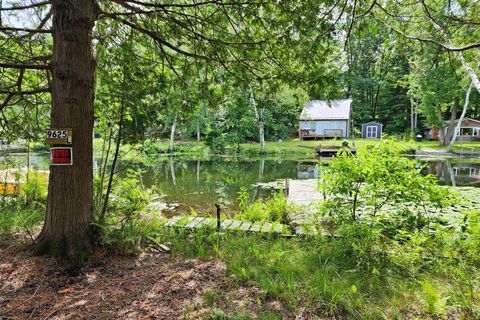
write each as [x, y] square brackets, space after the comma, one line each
[149, 286]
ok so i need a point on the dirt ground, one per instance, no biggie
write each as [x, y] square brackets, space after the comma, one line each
[150, 286]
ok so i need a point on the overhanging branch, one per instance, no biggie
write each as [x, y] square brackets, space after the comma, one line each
[26, 92]
[25, 66]
[192, 5]
[156, 37]
[25, 30]
[433, 41]
[33, 5]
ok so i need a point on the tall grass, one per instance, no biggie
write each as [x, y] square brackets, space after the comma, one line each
[358, 274]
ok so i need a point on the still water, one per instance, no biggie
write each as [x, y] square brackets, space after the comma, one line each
[199, 184]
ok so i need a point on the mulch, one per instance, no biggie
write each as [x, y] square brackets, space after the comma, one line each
[152, 285]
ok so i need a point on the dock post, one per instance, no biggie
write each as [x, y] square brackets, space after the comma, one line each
[218, 217]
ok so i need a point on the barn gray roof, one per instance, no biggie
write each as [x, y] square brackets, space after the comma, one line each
[372, 122]
[327, 110]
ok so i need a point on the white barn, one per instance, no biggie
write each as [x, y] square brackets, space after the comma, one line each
[325, 119]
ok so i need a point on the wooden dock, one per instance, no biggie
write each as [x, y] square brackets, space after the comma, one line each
[302, 192]
[331, 151]
[192, 223]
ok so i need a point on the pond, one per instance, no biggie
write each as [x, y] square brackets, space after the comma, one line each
[185, 183]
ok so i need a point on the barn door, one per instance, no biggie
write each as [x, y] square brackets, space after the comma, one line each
[372, 131]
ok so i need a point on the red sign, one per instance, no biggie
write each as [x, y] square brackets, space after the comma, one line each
[61, 156]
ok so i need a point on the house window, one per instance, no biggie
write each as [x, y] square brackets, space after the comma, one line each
[476, 131]
[372, 131]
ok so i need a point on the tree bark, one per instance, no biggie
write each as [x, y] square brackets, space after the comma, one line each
[471, 73]
[451, 125]
[441, 131]
[261, 129]
[413, 114]
[172, 133]
[460, 120]
[260, 120]
[67, 229]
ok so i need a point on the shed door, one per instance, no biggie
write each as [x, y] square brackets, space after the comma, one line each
[372, 131]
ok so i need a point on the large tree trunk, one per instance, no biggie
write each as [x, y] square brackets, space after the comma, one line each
[67, 229]
[451, 125]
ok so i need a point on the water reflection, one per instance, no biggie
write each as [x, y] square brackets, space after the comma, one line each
[199, 184]
[455, 173]
[452, 172]
[307, 170]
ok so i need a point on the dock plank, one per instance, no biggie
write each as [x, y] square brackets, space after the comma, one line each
[256, 227]
[303, 192]
[235, 225]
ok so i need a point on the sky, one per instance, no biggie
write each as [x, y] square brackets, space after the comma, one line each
[28, 18]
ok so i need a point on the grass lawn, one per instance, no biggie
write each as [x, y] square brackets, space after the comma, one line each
[306, 147]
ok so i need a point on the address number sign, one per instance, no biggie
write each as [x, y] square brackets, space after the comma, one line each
[59, 136]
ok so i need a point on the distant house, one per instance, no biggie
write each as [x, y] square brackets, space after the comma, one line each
[372, 129]
[325, 119]
[469, 130]
[430, 133]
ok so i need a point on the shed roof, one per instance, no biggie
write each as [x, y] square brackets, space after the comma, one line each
[372, 122]
[327, 110]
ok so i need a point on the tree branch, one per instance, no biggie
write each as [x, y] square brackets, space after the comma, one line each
[438, 43]
[24, 66]
[20, 93]
[191, 5]
[33, 5]
[25, 30]
[157, 38]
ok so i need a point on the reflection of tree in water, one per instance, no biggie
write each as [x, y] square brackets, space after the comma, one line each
[202, 183]
[455, 173]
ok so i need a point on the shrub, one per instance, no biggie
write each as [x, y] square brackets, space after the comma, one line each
[378, 176]
[274, 209]
[35, 187]
[127, 223]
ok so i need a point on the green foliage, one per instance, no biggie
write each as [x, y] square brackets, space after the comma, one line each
[378, 176]
[435, 305]
[216, 141]
[16, 217]
[274, 209]
[127, 224]
[357, 273]
[35, 187]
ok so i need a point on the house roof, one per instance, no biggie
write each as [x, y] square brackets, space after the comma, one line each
[467, 119]
[447, 123]
[372, 122]
[327, 110]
